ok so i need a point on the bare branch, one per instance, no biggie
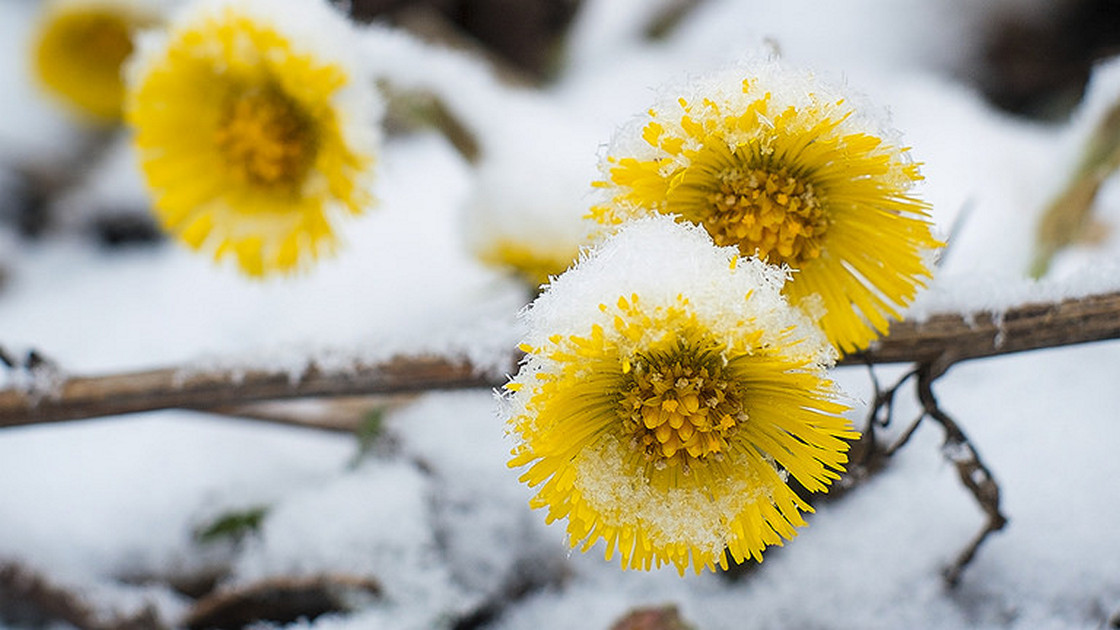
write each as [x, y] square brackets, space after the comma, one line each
[953, 338]
[84, 397]
[940, 341]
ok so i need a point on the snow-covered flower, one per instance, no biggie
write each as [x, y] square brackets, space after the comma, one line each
[531, 226]
[255, 128]
[668, 392]
[783, 167]
[527, 212]
[80, 48]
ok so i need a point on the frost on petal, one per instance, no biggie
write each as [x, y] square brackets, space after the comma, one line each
[783, 166]
[667, 392]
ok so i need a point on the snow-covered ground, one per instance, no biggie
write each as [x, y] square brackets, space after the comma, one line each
[433, 513]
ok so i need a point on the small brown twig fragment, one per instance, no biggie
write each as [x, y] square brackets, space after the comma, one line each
[973, 473]
[281, 600]
[868, 455]
[27, 596]
[669, 18]
[666, 617]
[903, 439]
[867, 449]
[339, 414]
[409, 110]
[7, 359]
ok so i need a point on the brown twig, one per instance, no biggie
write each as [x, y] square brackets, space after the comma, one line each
[867, 453]
[281, 599]
[338, 414]
[664, 617]
[31, 597]
[85, 397]
[666, 20]
[938, 339]
[983, 334]
[870, 455]
[973, 473]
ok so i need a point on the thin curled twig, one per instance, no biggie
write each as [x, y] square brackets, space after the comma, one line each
[973, 472]
[957, 449]
[879, 416]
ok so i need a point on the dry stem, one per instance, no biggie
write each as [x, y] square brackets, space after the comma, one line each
[87, 397]
[940, 341]
[973, 473]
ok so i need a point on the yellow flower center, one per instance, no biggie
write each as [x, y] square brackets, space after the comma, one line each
[762, 210]
[768, 212]
[679, 409]
[266, 138]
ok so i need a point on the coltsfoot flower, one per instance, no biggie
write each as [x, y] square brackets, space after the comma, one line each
[782, 167]
[668, 393]
[255, 129]
[80, 49]
[527, 212]
[533, 263]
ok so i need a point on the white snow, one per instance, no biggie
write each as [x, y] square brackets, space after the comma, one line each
[434, 514]
[659, 261]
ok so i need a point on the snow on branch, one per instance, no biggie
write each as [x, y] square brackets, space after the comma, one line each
[950, 338]
[939, 340]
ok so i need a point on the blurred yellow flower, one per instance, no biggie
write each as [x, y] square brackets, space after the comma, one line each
[532, 263]
[781, 169]
[254, 130]
[526, 212]
[667, 426]
[79, 51]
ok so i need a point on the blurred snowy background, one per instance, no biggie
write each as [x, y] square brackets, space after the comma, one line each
[139, 516]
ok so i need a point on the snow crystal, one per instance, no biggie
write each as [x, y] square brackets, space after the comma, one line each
[687, 515]
[658, 260]
[785, 86]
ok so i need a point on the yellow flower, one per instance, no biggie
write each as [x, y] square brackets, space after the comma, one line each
[533, 263]
[781, 168]
[526, 212]
[79, 51]
[667, 394]
[254, 130]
